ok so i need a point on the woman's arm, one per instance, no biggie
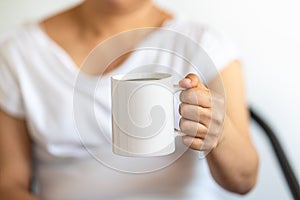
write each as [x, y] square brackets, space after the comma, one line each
[15, 159]
[233, 162]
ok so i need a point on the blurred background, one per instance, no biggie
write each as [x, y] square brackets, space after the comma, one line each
[267, 36]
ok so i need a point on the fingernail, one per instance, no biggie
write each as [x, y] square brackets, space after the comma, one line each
[188, 80]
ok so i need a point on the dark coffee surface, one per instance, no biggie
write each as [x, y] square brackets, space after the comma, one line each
[143, 79]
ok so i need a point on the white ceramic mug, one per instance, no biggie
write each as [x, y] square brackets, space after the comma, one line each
[142, 114]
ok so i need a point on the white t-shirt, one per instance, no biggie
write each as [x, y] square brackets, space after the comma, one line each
[71, 127]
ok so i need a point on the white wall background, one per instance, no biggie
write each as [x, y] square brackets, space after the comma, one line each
[268, 36]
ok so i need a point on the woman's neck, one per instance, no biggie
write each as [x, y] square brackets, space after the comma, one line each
[81, 29]
[96, 20]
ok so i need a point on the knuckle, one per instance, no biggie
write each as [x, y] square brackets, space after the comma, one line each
[219, 101]
[200, 111]
[218, 118]
[193, 76]
[213, 132]
[207, 118]
[209, 99]
[201, 129]
[217, 98]
[205, 113]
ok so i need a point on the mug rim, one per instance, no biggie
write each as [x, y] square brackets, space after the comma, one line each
[142, 75]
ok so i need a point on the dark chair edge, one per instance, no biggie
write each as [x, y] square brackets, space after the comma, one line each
[286, 168]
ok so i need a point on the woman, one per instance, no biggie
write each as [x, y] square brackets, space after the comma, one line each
[34, 127]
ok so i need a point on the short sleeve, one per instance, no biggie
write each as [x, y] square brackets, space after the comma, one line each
[220, 49]
[212, 53]
[10, 94]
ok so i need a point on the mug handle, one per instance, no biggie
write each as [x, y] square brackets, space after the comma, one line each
[177, 88]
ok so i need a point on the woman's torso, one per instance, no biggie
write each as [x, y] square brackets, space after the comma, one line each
[68, 115]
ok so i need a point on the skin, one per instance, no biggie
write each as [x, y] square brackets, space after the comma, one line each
[227, 161]
[15, 159]
[233, 160]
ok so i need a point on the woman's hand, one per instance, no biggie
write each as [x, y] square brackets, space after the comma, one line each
[234, 162]
[202, 114]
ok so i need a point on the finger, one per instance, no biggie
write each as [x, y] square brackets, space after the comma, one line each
[193, 143]
[196, 96]
[190, 81]
[185, 83]
[195, 113]
[192, 128]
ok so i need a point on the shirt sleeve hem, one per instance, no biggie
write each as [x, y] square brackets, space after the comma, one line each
[10, 110]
